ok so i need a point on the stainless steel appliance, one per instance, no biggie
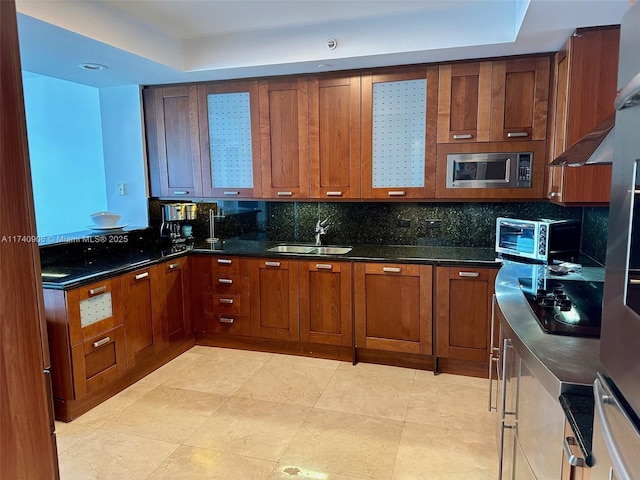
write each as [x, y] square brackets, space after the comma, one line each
[616, 442]
[489, 170]
[177, 221]
[540, 240]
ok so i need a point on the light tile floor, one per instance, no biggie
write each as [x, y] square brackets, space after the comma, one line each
[227, 414]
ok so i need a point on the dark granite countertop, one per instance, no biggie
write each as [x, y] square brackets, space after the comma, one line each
[67, 274]
[579, 412]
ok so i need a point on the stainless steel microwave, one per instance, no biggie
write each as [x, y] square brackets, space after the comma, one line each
[540, 240]
[489, 170]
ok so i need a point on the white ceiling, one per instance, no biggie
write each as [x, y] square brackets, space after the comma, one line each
[168, 41]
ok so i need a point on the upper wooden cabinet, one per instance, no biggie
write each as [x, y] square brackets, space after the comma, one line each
[586, 72]
[229, 139]
[502, 100]
[284, 138]
[399, 111]
[334, 136]
[173, 151]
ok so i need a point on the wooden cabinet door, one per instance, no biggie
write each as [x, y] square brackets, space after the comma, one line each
[173, 148]
[399, 112]
[393, 307]
[334, 136]
[142, 318]
[176, 319]
[325, 302]
[274, 299]
[284, 138]
[464, 102]
[520, 99]
[463, 312]
[585, 185]
[229, 122]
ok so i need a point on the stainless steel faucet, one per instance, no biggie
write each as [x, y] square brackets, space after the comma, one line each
[321, 229]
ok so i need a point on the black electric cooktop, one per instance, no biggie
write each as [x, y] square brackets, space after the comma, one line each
[566, 307]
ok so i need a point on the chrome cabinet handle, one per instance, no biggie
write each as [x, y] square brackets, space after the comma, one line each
[271, 264]
[469, 274]
[553, 194]
[285, 194]
[226, 320]
[224, 261]
[231, 193]
[97, 290]
[503, 427]
[173, 265]
[391, 269]
[634, 281]
[334, 194]
[226, 301]
[517, 134]
[629, 95]
[102, 342]
[492, 358]
[462, 136]
[324, 266]
[225, 281]
[573, 459]
[397, 193]
[140, 276]
[181, 192]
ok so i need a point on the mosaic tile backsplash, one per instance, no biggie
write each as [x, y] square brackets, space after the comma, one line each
[455, 224]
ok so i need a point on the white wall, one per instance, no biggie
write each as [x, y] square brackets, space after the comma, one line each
[124, 160]
[65, 148]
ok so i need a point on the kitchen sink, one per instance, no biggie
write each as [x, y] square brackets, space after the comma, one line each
[310, 249]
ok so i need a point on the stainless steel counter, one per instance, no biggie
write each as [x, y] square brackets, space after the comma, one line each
[562, 364]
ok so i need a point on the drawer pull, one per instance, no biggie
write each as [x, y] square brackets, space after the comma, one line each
[285, 194]
[517, 134]
[574, 456]
[392, 269]
[334, 194]
[271, 264]
[324, 266]
[173, 265]
[397, 193]
[225, 281]
[468, 274]
[140, 276]
[231, 193]
[102, 342]
[460, 136]
[225, 261]
[181, 192]
[226, 320]
[227, 301]
[98, 290]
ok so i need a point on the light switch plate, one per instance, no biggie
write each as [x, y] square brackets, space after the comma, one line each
[120, 189]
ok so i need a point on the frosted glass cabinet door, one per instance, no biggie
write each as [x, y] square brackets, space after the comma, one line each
[229, 139]
[398, 134]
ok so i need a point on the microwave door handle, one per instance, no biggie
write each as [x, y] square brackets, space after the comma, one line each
[629, 95]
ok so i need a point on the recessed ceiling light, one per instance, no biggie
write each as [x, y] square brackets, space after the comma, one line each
[93, 66]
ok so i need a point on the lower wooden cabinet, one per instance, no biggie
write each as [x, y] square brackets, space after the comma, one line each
[463, 312]
[274, 299]
[175, 316]
[325, 302]
[393, 307]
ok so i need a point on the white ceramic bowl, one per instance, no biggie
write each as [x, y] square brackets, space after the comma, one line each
[105, 219]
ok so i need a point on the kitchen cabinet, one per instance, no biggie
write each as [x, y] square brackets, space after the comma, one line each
[399, 110]
[325, 302]
[175, 315]
[284, 137]
[274, 299]
[393, 307]
[221, 297]
[585, 85]
[230, 139]
[173, 141]
[334, 136]
[141, 310]
[463, 313]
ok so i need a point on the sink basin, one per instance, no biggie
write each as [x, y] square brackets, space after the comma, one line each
[310, 249]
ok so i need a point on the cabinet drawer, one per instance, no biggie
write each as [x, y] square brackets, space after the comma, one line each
[230, 324]
[94, 310]
[98, 361]
[392, 269]
[229, 284]
[225, 266]
[228, 304]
